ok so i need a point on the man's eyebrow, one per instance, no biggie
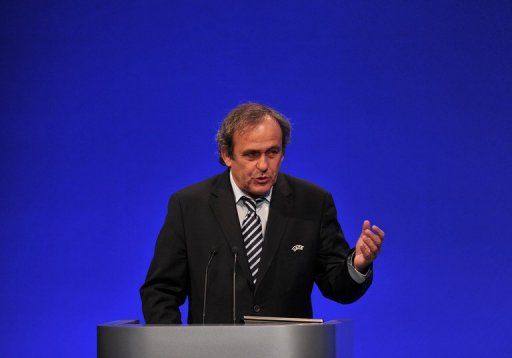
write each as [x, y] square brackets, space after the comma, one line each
[248, 151]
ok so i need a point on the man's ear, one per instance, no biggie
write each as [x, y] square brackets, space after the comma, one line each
[225, 156]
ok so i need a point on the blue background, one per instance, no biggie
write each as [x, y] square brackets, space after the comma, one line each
[401, 109]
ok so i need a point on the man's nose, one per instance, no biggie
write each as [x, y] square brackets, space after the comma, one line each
[262, 163]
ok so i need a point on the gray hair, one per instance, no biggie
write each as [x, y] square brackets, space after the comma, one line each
[245, 116]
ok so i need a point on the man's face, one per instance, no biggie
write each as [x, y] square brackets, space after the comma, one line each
[257, 157]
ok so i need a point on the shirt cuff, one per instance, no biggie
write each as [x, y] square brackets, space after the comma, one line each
[357, 276]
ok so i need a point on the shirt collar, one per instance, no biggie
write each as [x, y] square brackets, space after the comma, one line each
[239, 193]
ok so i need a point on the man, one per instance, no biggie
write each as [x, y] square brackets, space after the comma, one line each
[265, 235]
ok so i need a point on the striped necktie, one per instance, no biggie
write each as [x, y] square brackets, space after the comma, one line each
[252, 234]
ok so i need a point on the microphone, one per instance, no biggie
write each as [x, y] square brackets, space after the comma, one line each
[213, 252]
[235, 251]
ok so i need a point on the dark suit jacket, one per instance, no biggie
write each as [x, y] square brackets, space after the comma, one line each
[203, 216]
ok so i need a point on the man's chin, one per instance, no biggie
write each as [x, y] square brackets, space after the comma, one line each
[259, 190]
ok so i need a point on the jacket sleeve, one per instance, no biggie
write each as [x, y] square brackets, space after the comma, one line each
[332, 276]
[166, 285]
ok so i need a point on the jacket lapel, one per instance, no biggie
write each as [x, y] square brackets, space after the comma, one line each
[222, 203]
[280, 206]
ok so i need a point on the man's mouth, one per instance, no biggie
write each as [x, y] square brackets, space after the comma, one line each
[262, 180]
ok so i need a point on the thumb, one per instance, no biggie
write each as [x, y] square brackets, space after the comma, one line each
[366, 224]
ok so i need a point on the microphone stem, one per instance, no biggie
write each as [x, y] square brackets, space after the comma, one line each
[212, 253]
[234, 289]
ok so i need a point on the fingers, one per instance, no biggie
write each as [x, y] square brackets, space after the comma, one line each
[375, 233]
[378, 230]
[367, 253]
[371, 244]
[368, 248]
[376, 238]
[370, 241]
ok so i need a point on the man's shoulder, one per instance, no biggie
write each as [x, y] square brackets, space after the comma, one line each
[200, 189]
[309, 199]
[299, 185]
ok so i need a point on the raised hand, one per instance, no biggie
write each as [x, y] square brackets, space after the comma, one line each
[368, 246]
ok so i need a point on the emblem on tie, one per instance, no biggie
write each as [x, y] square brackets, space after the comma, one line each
[297, 248]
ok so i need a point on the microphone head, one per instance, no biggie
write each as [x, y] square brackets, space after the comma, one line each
[235, 250]
[213, 250]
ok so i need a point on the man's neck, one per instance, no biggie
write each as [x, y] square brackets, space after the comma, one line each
[239, 192]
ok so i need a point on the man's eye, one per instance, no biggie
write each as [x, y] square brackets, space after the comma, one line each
[252, 155]
[273, 152]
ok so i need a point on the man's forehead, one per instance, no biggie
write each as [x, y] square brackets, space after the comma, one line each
[247, 142]
[251, 126]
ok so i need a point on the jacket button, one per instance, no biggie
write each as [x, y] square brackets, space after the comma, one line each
[257, 308]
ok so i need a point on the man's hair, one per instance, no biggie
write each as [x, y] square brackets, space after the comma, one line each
[244, 117]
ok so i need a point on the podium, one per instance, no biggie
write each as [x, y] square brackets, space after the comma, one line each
[130, 339]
